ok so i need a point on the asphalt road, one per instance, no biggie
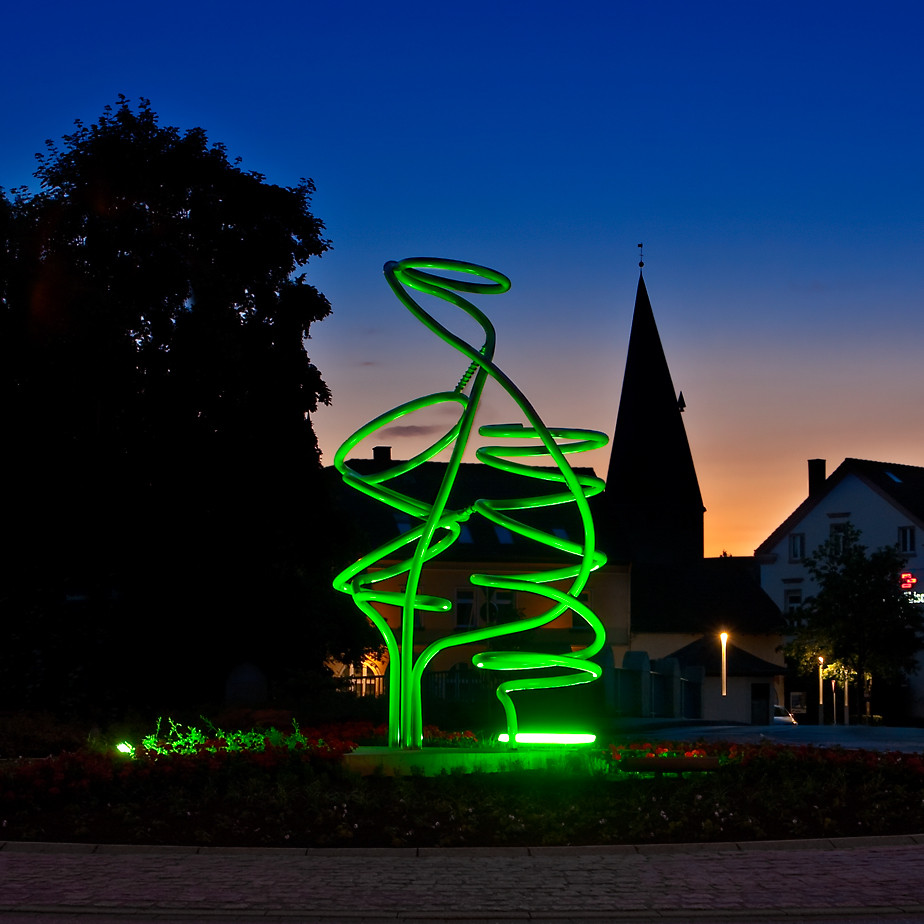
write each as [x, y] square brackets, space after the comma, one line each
[909, 740]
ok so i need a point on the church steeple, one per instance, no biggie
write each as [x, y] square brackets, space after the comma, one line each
[652, 499]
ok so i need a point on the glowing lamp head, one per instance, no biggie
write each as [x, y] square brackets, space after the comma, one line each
[724, 637]
[123, 747]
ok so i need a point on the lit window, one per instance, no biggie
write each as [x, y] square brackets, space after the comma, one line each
[907, 541]
[796, 546]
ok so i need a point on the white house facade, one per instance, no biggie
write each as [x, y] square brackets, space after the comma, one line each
[885, 501]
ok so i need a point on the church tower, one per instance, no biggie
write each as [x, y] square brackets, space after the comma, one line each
[652, 505]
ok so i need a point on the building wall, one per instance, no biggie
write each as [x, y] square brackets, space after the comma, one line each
[735, 706]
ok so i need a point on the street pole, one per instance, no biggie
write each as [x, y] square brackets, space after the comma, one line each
[821, 692]
[724, 637]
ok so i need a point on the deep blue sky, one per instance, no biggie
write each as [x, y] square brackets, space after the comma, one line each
[769, 155]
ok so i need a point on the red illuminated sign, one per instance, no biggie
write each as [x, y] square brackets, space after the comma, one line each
[908, 580]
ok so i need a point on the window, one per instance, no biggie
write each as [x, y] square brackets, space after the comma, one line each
[792, 600]
[484, 606]
[465, 609]
[504, 536]
[796, 546]
[907, 542]
[402, 521]
[837, 535]
[498, 607]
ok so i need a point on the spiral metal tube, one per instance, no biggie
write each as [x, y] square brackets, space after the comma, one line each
[438, 523]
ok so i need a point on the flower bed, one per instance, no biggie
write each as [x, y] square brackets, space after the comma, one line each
[294, 792]
[669, 758]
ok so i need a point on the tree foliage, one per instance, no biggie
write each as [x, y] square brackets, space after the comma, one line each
[157, 394]
[860, 620]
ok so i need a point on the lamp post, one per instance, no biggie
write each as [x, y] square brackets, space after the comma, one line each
[724, 637]
[821, 692]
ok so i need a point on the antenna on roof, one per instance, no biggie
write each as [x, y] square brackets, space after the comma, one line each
[641, 257]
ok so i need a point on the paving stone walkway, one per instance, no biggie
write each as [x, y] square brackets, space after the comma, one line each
[868, 879]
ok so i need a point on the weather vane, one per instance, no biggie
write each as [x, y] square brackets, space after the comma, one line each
[641, 256]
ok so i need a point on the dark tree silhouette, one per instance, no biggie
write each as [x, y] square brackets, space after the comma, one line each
[167, 501]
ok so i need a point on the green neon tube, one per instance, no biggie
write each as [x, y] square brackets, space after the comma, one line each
[549, 738]
[438, 522]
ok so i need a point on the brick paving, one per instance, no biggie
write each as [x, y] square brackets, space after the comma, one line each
[868, 878]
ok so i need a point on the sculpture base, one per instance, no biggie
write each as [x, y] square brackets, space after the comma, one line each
[434, 761]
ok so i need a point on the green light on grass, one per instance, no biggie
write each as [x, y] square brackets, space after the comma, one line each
[549, 738]
[436, 522]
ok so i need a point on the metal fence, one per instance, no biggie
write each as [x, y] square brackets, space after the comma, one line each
[451, 686]
[660, 699]
[368, 685]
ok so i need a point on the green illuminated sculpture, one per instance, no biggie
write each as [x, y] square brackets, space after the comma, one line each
[436, 523]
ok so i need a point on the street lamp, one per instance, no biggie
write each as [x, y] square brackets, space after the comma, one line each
[821, 692]
[724, 637]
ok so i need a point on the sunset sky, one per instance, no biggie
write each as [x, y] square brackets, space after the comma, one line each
[769, 156]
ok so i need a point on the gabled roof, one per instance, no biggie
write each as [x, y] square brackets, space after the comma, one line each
[708, 596]
[901, 485]
[480, 541]
[652, 489]
[707, 652]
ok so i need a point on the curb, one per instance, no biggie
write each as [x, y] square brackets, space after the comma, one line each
[404, 853]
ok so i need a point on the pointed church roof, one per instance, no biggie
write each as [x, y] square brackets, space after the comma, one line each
[652, 497]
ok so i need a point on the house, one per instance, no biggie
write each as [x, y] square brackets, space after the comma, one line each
[884, 500]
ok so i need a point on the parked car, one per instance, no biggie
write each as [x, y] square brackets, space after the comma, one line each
[782, 717]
